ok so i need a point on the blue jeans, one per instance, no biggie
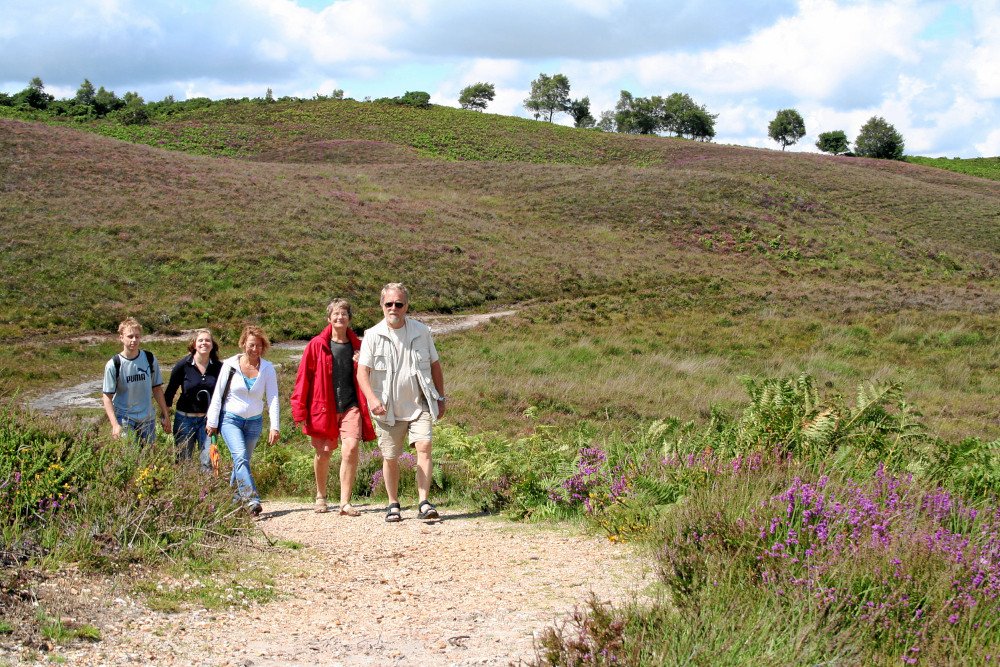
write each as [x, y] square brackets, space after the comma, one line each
[241, 437]
[144, 431]
[190, 436]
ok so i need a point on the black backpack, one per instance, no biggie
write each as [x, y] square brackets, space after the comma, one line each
[118, 366]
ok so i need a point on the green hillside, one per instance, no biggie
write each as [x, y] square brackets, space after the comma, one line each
[778, 372]
[983, 167]
[736, 259]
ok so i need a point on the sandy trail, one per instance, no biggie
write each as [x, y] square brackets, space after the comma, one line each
[463, 590]
[467, 589]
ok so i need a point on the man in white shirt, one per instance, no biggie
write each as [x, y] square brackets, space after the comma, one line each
[400, 375]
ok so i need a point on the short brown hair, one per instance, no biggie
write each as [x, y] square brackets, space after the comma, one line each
[254, 330]
[128, 323]
[339, 303]
[394, 287]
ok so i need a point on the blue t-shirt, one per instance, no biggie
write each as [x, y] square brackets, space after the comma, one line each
[132, 389]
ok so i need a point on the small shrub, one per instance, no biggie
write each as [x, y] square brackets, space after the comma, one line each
[417, 99]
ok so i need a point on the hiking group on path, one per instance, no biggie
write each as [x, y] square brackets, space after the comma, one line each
[387, 386]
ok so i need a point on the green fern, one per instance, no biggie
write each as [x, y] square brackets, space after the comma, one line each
[659, 492]
[821, 429]
[437, 474]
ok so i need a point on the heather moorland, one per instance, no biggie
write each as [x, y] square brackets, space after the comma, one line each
[775, 372]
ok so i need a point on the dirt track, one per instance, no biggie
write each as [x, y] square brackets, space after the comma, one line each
[463, 590]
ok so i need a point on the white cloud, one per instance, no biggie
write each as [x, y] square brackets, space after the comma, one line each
[985, 56]
[990, 146]
[809, 55]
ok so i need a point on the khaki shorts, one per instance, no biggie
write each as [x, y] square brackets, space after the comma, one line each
[392, 439]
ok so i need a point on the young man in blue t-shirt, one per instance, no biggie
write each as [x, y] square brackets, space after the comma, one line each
[131, 381]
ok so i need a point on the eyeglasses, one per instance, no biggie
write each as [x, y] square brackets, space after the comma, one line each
[389, 304]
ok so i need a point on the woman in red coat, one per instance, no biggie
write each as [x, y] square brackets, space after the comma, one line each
[328, 406]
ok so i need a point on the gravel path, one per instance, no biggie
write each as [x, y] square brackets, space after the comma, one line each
[462, 590]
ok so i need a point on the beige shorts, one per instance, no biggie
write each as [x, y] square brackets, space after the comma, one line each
[392, 439]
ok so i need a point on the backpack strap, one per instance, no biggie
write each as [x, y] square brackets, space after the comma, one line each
[225, 393]
[118, 366]
[225, 390]
[118, 369]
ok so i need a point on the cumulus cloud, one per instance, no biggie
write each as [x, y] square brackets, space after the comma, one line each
[811, 54]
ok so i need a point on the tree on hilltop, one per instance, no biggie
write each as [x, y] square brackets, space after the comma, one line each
[411, 98]
[676, 114]
[698, 124]
[105, 101]
[638, 115]
[85, 93]
[787, 127]
[549, 96]
[879, 139]
[580, 111]
[684, 117]
[477, 96]
[34, 95]
[833, 142]
[606, 123]
[134, 112]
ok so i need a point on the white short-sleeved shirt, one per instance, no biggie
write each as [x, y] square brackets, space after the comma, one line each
[406, 399]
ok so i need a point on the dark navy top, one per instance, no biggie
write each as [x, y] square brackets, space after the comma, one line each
[196, 389]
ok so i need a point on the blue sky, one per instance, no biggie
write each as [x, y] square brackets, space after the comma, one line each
[931, 68]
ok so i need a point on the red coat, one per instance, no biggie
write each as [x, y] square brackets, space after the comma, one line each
[313, 400]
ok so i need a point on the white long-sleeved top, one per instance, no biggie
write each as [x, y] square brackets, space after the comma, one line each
[241, 401]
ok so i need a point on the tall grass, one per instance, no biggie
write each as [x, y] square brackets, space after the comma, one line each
[983, 167]
[841, 532]
[652, 354]
[69, 495]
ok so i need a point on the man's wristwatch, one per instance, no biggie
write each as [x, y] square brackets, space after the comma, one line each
[442, 399]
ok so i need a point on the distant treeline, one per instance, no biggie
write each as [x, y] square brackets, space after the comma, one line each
[92, 103]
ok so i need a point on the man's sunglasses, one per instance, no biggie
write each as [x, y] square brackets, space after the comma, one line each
[399, 304]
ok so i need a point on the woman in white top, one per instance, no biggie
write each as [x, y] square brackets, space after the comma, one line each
[245, 383]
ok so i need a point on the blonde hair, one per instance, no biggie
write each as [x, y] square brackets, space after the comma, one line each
[394, 287]
[254, 330]
[128, 323]
[339, 303]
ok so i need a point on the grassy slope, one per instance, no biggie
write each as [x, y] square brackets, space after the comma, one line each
[984, 167]
[661, 269]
